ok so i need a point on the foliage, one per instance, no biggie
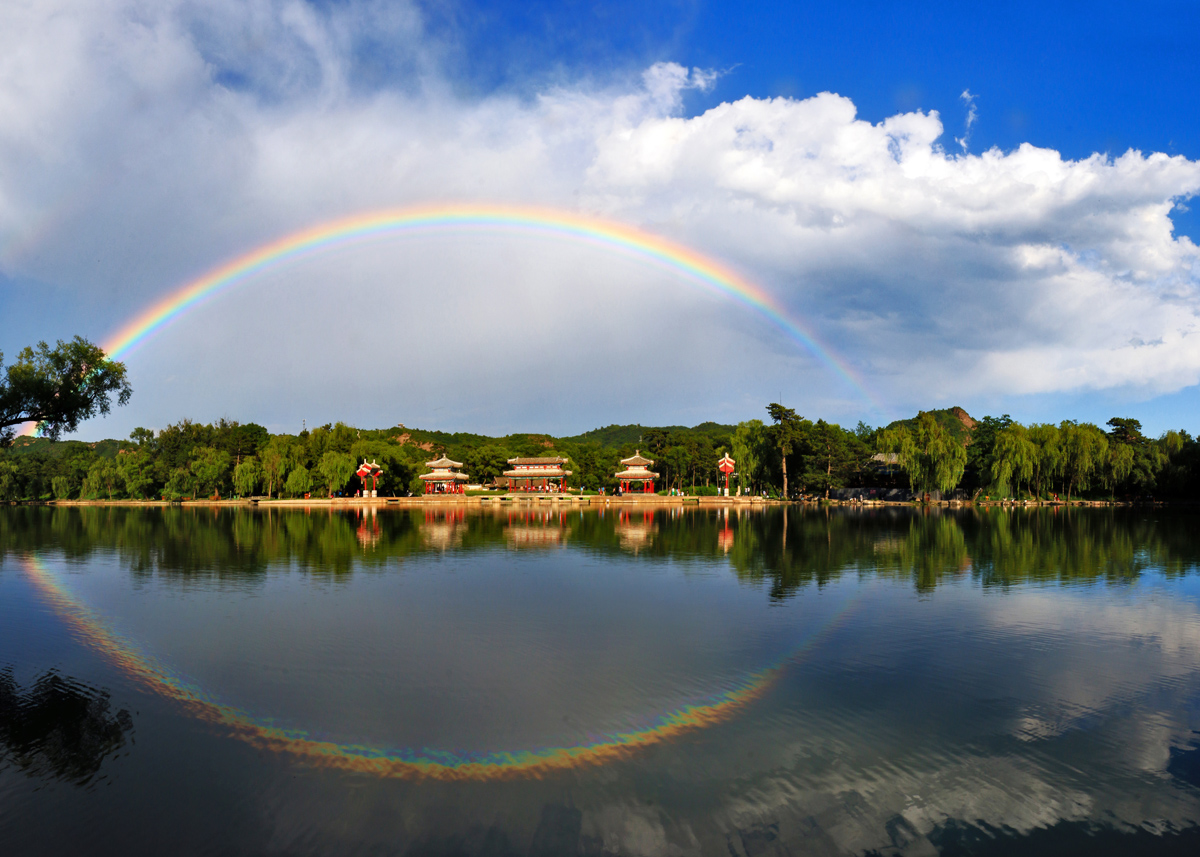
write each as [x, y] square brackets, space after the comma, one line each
[336, 468]
[933, 458]
[210, 467]
[1003, 458]
[59, 387]
[785, 433]
[247, 476]
[299, 481]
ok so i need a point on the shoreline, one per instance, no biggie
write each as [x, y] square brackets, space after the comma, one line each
[559, 500]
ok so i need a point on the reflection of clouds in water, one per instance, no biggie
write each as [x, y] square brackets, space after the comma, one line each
[1149, 646]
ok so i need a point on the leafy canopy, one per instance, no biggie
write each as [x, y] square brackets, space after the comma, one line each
[59, 387]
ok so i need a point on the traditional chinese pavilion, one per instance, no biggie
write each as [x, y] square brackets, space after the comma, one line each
[444, 477]
[369, 472]
[636, 471]
[537, 474]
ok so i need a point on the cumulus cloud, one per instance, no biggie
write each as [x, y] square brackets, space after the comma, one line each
[145, 142]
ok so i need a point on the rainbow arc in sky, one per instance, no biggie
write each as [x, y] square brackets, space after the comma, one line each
[676, 259]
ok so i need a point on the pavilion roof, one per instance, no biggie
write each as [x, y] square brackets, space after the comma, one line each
[443, 462]
[637, 460]
[445, 476]
[536, 472]
[636, 473]
[554, 459]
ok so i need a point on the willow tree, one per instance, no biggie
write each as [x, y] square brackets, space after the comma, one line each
[1048, 440]
[1014, 459]
[1118, 466]
[933, 459]
[335, 468]
[247, 476]
[749, 444]
[1084, 452]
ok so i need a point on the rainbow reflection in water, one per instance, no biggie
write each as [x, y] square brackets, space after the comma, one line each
[409, 763]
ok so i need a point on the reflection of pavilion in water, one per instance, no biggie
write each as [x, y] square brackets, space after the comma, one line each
[725, 535]
[535, 529]
[443, 528]
[635, 529]
[368, 532]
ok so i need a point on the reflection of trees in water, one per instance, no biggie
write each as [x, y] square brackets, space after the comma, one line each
[999, 547]
[786, 549]
[58, 728]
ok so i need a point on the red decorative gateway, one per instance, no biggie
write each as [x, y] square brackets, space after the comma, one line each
[726, 465]
[369, 471]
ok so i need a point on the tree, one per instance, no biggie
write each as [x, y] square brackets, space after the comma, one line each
[1013, 458]
[485, 463]
[929, 454]
[279, 456]
[750, 444]
[1085, 449]
[299, 481]
[784, 432]
[1048, 440]
[335, 468]
[61, 486]
[209, 466]
[135, 469]
[143, 437]
[101, 479]
[8, 480]
[831, 455]
[59, 387]
[246, 476]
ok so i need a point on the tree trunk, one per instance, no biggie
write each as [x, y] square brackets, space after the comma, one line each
[785, 493]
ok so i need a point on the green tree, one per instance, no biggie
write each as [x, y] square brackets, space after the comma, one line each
[281, 454]
[933, 459]
[102, 479]
[485, 463]
[1013, 459]
[784, 433]
[299, 481]
[1118, 467]
[1084, 452]
[751, 444]
[62, 487]
[1048, 440]
[8, 480]
[59, 387]
[336, 468]
[247, 476]
[135, 469]
[209, 466]
[143, 437]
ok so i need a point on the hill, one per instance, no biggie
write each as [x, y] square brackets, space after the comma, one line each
[955, 420]
[613, 437]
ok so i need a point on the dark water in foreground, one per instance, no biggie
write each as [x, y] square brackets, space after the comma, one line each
[193, 681]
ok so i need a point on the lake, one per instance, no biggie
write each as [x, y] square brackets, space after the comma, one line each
[599, 680]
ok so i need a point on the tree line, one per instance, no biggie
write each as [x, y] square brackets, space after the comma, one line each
[790, 456]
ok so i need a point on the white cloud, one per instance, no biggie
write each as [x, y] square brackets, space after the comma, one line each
[144, 142]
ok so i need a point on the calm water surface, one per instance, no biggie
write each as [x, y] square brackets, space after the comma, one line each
[236, 681]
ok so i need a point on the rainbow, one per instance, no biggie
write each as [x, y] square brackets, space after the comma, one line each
[425, 763]
[670, 256]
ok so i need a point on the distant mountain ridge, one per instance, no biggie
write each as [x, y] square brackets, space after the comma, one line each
[611, 437]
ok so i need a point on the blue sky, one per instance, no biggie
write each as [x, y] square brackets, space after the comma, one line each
[948, 250]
